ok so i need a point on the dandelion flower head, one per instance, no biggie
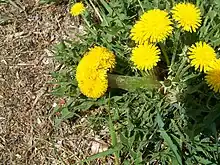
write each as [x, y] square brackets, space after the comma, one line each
[102, 58]
[213, 76]
[188, 16]
[202, 55]
[153, 26]
[77, 9]
[146, 56]
[93, 83]
[91, 72]
[85, 64]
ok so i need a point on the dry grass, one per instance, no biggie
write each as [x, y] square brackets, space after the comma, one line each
[27, 134]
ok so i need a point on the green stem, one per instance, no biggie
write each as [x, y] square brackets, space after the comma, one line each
[162, 47]
[130, 83]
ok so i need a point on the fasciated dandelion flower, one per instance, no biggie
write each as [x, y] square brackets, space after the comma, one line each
[91, 72]
[145, 56]
[188, 16]
[153, 26]
[77, 9]
[201, 55]
[213, 76]
[92, 82]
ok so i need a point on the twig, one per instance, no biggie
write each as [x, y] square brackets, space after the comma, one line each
[100, 17]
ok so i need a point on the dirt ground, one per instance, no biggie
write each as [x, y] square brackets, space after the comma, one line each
[27, 134]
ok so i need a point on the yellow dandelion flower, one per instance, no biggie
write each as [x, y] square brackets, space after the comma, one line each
[188, 16]
[102, 57]
[98, 58]
[202, 55]
[77, 9]
[93, 83]
[154, 26]
[213, 76]
[85, 64]
[91, 72]
[146, 56]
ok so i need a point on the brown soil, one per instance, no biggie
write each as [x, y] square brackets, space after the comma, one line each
[27, 134]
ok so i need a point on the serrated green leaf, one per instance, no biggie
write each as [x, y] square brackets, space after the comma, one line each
[204, 161]
[85, 105]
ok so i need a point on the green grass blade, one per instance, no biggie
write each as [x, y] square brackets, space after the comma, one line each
[173, 147]
[167, 139]
[107, 7]
[101, 154]
[113, 137]
[112, 132]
